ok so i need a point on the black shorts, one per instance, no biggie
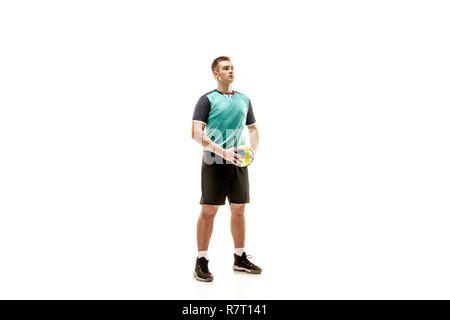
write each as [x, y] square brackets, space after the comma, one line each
[220, 181]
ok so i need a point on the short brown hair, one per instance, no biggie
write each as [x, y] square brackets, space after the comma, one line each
[217, 61]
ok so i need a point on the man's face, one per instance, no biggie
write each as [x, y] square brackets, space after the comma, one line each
[225, 72]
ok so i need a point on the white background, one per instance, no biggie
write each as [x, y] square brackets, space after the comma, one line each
[100, 179]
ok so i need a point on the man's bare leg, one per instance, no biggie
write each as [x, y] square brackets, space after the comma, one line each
[238, 224]
[241, 262]
[205, 225]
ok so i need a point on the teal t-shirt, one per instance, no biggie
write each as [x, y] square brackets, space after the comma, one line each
[225, 116]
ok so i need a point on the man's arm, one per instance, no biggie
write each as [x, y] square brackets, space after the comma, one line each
[199, 135]
[254, 136]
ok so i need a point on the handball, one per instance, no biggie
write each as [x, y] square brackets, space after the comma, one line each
[245, 156]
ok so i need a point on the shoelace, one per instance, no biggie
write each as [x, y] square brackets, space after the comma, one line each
[204, 265]
[246, 262]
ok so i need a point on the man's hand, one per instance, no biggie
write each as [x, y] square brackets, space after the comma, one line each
[231, 155]
[253, 154]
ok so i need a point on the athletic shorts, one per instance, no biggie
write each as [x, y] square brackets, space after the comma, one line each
[221, 181]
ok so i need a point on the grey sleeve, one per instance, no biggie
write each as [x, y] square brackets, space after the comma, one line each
[250, 116]
[202, 109]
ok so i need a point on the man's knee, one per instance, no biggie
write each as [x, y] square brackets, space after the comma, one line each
[209, 211]
[237, 210]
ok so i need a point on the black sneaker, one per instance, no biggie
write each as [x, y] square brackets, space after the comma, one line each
[241, 263]
[201, 271]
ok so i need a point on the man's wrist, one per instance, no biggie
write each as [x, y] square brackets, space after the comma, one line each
[219, 151]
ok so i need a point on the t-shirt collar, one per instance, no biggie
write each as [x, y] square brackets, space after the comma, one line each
[232, 93]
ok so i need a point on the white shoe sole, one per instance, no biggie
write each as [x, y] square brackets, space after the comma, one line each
[204, 280]
[236, 268]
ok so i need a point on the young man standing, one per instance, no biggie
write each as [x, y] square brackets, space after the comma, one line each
[224, 113]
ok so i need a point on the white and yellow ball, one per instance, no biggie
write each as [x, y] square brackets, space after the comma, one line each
[245, 156]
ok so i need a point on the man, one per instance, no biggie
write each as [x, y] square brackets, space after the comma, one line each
[224, 113]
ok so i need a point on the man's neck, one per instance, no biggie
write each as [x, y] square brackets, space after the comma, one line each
[225, 89]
